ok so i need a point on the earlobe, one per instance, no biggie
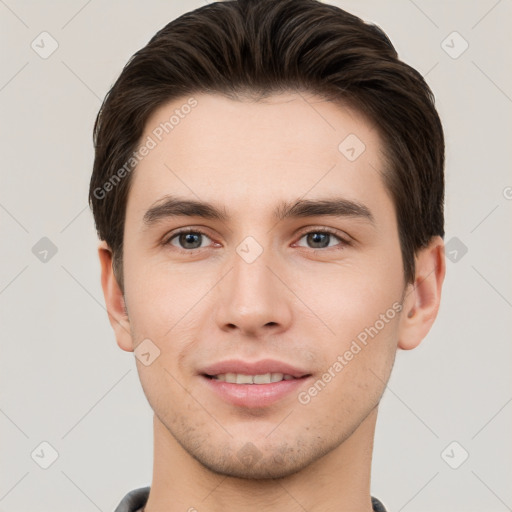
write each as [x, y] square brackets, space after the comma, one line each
[114, 299]
[422, 299]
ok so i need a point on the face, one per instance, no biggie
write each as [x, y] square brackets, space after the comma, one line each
[295, 275]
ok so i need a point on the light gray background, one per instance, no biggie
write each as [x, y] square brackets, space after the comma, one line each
[63, 379]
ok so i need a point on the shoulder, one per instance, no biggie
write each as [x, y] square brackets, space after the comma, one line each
[377, 505]
[134, 500]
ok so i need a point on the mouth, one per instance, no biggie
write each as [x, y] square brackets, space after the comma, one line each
[241, 378]
[254, 385]
[265, 371]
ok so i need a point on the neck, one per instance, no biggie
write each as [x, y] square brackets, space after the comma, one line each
[338, 481]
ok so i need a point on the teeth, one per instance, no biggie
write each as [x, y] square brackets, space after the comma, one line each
[244, 379]
[240, 378]
[261, 379]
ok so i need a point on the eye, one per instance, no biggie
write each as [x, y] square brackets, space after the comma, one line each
[189, 239]
[320, 238]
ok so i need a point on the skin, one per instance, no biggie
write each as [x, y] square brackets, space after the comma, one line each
[297, 302]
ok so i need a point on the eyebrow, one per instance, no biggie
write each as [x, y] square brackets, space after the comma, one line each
[173, 206]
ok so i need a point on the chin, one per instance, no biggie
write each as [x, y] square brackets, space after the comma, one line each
[265, 469]
[273, 462]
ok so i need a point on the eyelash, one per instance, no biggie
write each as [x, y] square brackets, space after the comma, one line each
[343, 242]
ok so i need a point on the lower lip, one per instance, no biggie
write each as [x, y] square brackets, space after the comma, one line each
[254, 395]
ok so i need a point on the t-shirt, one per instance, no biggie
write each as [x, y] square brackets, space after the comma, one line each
[136, 499]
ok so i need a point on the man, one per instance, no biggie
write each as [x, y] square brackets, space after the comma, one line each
[268, 190]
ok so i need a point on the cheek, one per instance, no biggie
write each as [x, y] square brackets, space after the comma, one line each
[156, 297]
[351, 298]
[356, 367]
[362, 309]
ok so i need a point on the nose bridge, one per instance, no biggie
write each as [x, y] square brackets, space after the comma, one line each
[253, 297]
[252, 279]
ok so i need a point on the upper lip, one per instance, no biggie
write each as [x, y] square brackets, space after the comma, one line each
[253, 368]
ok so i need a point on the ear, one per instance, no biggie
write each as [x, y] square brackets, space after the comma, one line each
[114, 300]
[422, 299]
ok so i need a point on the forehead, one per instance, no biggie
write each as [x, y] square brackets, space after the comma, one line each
[244, 154]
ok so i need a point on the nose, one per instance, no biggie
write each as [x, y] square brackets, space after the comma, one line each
[254, 298]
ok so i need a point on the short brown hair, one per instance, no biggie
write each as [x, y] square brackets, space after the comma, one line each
[260, 47]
